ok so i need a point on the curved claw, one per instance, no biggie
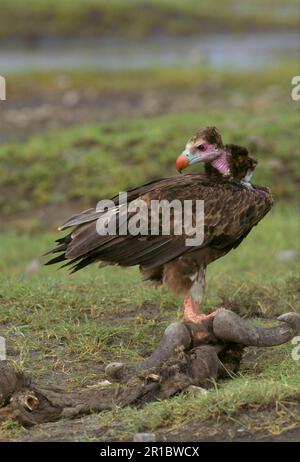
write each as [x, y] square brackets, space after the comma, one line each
[230, 327]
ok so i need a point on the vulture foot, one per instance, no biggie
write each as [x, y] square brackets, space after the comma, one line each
[201, 325]
[223, 330]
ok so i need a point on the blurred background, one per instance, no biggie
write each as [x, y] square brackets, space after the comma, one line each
[102, 96]
[74, 64]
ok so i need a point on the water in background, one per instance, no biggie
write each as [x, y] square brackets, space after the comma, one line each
[251, 50]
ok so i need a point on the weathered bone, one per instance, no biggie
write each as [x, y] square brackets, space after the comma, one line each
[176, 335]
[11, 381]
[33, 404]
[229, 327]
[166, 372]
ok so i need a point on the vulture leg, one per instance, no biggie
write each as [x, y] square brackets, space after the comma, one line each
[191, 304]
[192, 315]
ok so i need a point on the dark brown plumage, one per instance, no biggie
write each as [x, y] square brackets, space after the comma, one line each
[240, 162]
[232, 208]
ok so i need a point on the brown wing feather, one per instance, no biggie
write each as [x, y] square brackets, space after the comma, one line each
[231, 210]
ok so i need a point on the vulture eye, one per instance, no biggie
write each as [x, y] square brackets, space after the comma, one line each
[201, 147]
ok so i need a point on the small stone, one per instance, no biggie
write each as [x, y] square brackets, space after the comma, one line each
[33, 267]
[71, 98]
[153, 378]
[144, 437]
[194, 390]
[102, 384]
[287, 255]
[275, 164]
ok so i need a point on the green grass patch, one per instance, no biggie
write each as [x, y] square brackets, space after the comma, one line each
[92, 162]
[271, 81]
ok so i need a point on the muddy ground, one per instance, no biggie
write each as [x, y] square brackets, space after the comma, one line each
[22, 117]
[87, 428]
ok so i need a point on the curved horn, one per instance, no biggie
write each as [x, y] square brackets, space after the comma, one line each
[229, 327]
[175, 335]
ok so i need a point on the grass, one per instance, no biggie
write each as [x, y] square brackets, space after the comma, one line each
[221, 404]
[65, 329]
[138, 18]
[104, 82]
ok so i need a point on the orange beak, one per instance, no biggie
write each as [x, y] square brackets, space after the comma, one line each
[181, 163]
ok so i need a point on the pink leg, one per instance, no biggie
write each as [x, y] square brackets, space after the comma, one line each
[192, 314]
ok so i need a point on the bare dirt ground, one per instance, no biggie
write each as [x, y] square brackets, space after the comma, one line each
[87, 429]
[23, 114]
[22, 117]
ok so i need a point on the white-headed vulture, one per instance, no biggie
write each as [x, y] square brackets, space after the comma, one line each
[232, 206]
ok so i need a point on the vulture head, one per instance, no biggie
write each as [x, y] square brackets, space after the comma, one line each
[221, 160]
[205, 146]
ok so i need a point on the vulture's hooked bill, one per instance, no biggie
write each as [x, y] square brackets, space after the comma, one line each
[232, 206]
